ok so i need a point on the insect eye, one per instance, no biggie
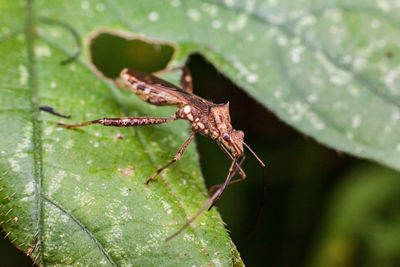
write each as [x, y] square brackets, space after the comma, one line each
[225, 136]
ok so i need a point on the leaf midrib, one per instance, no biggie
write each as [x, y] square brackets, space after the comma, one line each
[37, 146]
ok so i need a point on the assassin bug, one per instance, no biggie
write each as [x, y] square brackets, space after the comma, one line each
[205, 117]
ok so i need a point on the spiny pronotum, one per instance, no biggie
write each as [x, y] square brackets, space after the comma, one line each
[205, 117]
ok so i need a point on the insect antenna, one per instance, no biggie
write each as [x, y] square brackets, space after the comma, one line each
[262, 203]
[209, 202]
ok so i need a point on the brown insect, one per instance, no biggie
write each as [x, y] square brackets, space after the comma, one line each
[205, 117]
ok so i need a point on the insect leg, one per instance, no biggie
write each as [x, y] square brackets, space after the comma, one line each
[122, 122]
[228, 154]
[209, 202]
[241, 173]
[222, 188]
[238, 169]
[176, 158]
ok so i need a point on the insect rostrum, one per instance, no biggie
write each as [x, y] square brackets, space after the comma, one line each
[205, 117]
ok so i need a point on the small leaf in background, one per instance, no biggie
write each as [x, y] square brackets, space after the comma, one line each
[362, 223]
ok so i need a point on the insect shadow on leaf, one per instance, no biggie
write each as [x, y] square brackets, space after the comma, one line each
[207, 118]
[73, 32]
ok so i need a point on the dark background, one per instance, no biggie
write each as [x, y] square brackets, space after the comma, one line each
[305, 181]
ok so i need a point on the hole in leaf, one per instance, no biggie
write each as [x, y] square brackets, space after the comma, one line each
[112, 52]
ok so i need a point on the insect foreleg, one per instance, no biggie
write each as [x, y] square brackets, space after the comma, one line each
[231, 173]
[241, 173]
[122, 122]
[176, 158]
[228, 154]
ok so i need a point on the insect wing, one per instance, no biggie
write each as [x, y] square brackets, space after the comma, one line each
[153, 89]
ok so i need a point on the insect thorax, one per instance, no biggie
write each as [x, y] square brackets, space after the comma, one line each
[199, 120]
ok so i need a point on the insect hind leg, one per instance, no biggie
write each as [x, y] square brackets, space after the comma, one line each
[122, 122]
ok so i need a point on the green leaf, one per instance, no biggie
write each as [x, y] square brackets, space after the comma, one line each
[78, 196]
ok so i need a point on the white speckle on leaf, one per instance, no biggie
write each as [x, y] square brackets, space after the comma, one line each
[217, 262]
[15, 167]
[238, 24]
[392, 80]
[68, 144]
[48, 147]
[295, 53]
[188, 237]
[250, 37]
[85, 5]
[53, 85]
[216, 24]
[355, 122]
[306, 20]
[193, 14]
[42, 51]
[153, 16]
[230, 3]
[315, 121]
[340, 105]
[56, 181]
[175, 3]
[89, 162]
[337, 77]
[253, 66]
[384, 5]
[23, 74]
[124, 191]
[354, 90]
[375, 24]
[297, 110]
[282, 40]
[99, 7]
[249, 6]
[252, 77]
[96, 144]
[398, 147]
[166, 206]
[350, 135]
[334, 14]
[395, 114]
[359, 63]
[210, 9]
[77, 177]
[312, 98]
[29, 188]
[83, 198]
[277, 94]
